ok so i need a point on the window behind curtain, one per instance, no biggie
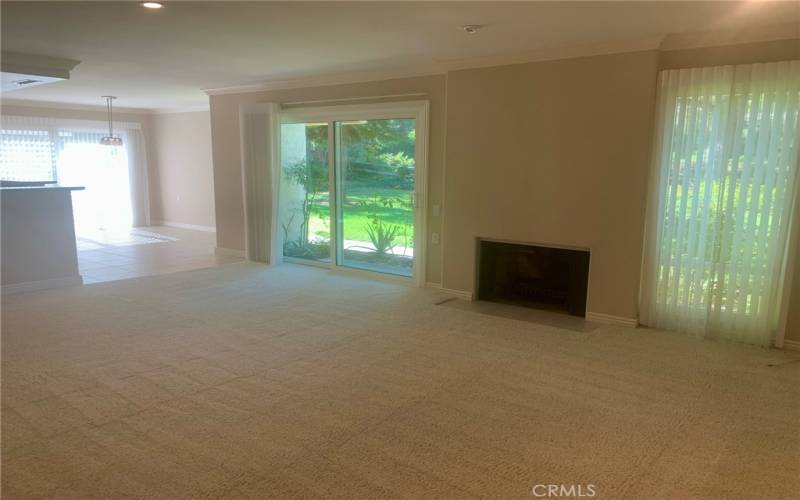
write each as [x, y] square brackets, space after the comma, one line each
[27, 155]
[722, 193]
[70, 153]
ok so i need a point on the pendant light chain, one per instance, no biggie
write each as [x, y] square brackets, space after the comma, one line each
[110, 116]
[110, 140]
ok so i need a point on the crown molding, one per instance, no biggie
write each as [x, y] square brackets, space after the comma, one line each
[669, 42]
[100, 109]
[330, 79]
[773, 33]
[443, 66]
[556, 53]
[660, 42]
[70, 106]
[185, 109]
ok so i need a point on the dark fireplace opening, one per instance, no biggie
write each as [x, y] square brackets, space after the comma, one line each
[533, 276]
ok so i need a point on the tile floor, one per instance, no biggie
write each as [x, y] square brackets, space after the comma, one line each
[145, 251]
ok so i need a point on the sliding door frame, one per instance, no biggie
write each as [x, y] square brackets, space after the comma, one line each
[417, 110]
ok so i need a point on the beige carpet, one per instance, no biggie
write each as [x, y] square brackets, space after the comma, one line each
[243, 381]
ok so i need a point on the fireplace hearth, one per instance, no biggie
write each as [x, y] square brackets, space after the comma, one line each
[533, 276]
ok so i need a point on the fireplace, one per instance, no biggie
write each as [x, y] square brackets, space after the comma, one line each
[533, 276]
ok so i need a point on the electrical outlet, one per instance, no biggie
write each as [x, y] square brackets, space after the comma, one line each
[435, 238]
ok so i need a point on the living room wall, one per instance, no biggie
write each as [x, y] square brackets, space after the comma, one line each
[183, 181]
[558, 152]
[227, 153]
[554, 153]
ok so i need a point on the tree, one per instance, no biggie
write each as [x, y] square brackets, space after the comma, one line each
[312, 175]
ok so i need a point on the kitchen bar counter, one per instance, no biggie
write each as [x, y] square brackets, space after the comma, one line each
[37, 238]
[54, 187]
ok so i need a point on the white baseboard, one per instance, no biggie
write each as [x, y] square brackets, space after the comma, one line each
[32, 286]
[791, 345]
[612, 320]
[230, 252]
[459, 294]
[433, 286]
[181, 225]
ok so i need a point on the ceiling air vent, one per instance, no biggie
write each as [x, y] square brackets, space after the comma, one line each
[27, 81]
[20, 71]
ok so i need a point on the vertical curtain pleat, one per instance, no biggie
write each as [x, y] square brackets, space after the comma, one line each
[259, 131]
[137, 173]
[721, 195]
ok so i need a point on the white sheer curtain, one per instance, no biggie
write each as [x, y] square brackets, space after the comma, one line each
[69, 152]
[723, 191]
[104, 204]
[259, 129]
[135, 148]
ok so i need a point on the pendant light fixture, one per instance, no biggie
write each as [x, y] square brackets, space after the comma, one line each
[110, 139]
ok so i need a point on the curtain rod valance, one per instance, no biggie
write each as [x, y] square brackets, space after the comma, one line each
[353, 100]
[717, 78]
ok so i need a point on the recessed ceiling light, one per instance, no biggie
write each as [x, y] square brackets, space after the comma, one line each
[472, 28]
[152, 5]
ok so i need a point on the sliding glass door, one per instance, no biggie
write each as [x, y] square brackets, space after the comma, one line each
[305, 209]
[375, 194]
[351, 185]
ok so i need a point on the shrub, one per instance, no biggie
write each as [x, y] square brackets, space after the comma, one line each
[381, 235]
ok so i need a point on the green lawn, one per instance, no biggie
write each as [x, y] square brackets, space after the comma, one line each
[359, 205]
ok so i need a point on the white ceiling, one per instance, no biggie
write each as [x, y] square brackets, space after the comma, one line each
[162, 59]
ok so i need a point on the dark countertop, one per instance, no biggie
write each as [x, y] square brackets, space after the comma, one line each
[52, 187]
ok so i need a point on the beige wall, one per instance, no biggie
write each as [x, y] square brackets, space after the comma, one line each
[227, 157]
[182, 187]
[558, 152]
[554, 152]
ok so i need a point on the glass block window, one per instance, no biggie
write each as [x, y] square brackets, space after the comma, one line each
[27, 155]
